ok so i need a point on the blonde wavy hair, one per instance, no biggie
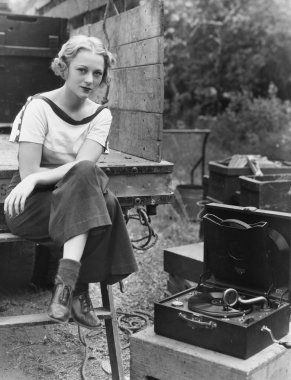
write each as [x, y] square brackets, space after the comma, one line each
[73, 46]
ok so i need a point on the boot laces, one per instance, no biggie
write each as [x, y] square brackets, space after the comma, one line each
[86, 302]
[66, 290]
[65, 293]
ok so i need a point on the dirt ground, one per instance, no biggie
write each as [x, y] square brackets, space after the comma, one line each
[54, 352]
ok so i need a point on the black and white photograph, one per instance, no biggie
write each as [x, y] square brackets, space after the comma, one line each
[145, 189]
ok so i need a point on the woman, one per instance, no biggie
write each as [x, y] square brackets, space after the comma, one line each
[70, 203]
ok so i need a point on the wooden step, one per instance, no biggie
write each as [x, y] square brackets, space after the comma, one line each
[7, 237]
[185, 261]
[42, 318]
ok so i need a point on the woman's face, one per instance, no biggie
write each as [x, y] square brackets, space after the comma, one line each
[85, 73]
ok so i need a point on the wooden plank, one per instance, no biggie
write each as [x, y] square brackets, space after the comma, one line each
[7, 237]
[42, 319]
[146, 52]
[137, 133]
[140, 53]
[135, 89]
[68, 9]
[158, 357]
[138, 89]
[119, 160]
[140, 185]
[137, 24]
[48, 7]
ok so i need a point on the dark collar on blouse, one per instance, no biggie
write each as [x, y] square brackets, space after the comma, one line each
[63, 115]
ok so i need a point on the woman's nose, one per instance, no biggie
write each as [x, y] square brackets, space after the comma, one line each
[89, 78]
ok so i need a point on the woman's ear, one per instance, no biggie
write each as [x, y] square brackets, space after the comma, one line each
[66, 73]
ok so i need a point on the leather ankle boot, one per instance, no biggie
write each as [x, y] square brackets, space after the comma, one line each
[83, 312]
[61, 302]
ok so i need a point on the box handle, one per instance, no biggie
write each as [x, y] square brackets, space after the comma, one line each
[196, 323]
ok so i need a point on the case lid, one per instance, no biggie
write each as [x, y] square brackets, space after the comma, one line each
[250, 249]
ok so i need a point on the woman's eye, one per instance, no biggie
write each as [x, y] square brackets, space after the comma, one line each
[82, 70]
[98, 74]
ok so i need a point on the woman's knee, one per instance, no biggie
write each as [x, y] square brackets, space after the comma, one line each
[83, 168]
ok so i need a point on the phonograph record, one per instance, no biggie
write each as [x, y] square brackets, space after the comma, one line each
[241, 303]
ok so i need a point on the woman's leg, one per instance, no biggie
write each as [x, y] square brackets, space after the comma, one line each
[108, 254]
[77, 206]
[80, 203]
[33, 224]
[74, 247]
[82, 307]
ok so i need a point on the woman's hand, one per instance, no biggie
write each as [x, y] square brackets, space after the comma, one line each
[15, 202]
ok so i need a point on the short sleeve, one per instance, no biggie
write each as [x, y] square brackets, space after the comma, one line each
[100, 127]
[30, 124]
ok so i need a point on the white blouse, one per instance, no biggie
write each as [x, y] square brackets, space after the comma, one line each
[41, 121]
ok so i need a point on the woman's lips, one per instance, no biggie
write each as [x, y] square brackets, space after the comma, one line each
[87, 89]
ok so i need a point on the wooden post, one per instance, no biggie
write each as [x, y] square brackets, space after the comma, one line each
[112, 334]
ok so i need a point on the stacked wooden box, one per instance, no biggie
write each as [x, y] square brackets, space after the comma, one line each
[224, 184]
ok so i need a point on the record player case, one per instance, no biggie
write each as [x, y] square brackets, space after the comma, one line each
[235, 312]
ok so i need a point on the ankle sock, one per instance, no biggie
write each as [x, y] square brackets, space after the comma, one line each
[68, 272]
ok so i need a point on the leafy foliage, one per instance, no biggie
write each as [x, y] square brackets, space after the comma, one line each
[254, 126]
[215, 49]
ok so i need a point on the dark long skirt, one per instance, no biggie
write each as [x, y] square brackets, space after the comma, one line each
[80, 202]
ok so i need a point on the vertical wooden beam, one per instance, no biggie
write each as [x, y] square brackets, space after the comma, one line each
[112, 334]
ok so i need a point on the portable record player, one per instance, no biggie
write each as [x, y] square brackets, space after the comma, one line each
[241, 304]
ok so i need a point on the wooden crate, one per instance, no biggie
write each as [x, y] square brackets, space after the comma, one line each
[158, 358]
[224, 183]
[184, 265]
[270, 192]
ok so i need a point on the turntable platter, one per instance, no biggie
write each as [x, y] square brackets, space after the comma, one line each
[212, 304]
